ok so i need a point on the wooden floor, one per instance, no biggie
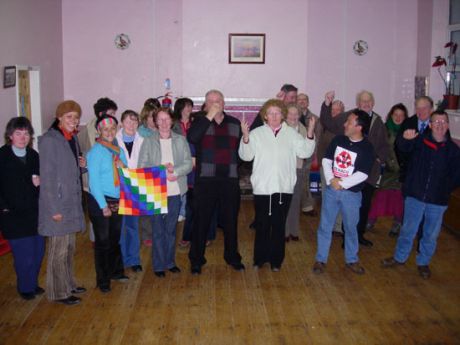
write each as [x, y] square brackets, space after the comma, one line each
[222, 306]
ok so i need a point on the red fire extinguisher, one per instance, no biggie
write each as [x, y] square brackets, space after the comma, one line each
[166, 102]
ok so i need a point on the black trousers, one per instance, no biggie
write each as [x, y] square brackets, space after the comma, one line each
[367, 193]
[271, 215]
[209, 194]
[107, 253]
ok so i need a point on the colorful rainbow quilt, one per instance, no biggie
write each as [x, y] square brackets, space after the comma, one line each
[143, 191]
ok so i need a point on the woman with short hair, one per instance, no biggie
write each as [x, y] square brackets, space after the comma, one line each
[274, 147]
[19, 187]
[166, 148]
[130, 142]
[293, 217]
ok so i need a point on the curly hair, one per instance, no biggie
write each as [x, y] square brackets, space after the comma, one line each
[273, 103]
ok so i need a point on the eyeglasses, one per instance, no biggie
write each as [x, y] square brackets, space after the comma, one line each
[440, 122]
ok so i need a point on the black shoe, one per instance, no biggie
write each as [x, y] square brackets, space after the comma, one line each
[196, 270]
[39, 290]
[238, 267]
[362, 241]
[258, 266]
[71, 300]
[160, 274]
[78, 289]
[121, 278]
[136, 268]
[424, 271]
[105, 289]
[174, 269]
[27, 295]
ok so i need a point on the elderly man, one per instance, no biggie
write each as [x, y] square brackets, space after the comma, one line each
[346, 164]
[419, 123]
[377, 137]
[433, 172]
[216, 137]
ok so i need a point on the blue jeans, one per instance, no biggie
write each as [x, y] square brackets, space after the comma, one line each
[414, 211]
[28, 255]
[164, 236]
[183, 205]
[129, 241]
[348, 204]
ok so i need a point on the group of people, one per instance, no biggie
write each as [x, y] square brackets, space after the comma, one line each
[405, 168]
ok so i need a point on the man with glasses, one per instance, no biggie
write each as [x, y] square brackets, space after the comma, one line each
[419, 123]
[433, 172]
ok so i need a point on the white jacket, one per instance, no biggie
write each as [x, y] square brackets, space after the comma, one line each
[275, 158]
[134, 158]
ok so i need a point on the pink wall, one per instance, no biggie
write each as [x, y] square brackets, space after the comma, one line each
[388, 69]
[93, 67]
[206, 25]
[31, 34]
[309, 44]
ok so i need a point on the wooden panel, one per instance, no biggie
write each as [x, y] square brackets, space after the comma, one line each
[24, 93]
[452, 215]
[222, 306]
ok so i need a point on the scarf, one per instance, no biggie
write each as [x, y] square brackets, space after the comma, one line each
[392, 127]
[67, 135]
[127, 138]
[115, 151]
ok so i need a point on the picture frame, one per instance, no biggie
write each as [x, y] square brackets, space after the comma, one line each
[9, 76]
[246, 48]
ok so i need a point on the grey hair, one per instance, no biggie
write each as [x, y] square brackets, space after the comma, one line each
[213, 91]
[358, 96]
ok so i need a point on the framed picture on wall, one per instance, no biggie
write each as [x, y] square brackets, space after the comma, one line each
[9, 76]
[246, 48]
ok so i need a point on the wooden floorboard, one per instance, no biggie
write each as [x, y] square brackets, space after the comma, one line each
[222, 306]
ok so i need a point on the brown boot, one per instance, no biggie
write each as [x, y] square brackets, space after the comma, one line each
[319, 267]
[355, 267]
[391, 262]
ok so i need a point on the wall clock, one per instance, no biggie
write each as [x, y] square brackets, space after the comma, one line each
[122, 41]
[360, 47]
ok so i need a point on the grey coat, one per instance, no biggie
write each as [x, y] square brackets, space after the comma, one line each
[150, 156]
[60, 186]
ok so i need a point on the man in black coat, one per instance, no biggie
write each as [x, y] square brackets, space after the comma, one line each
[420, 123]
[433, 172]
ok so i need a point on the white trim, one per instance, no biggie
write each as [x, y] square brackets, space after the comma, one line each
[234, 100]
[35, 100]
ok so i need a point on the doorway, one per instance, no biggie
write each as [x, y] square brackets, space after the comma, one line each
[28, 97]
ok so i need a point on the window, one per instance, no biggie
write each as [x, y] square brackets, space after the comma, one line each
[454, 36]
